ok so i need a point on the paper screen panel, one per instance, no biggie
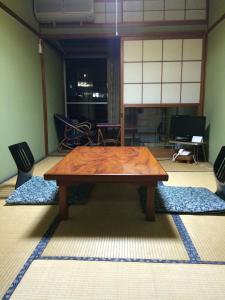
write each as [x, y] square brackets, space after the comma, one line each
[153, 4]
[111, 17]
[151, 93]
[192, 49]
[133, 5]
[196, 4]
[99, 7]
[131, 16]
[191, 71]
[132, 51]
[166, 65]
[171, 72]
[100, 18]
[111, 6]
[153, 15]
[195, 14]
[174, 4]
[171, 93]
[132, 93]
[152, 50]
[152, 72]
[132, 72]
[190, 93]
[172, 50]
[174, 15]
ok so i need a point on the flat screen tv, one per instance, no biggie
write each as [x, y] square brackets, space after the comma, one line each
[185, 127]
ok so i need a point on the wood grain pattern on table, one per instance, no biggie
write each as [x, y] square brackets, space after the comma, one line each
[108, 161]
[107, 164]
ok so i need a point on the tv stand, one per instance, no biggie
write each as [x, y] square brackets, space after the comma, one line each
[182, 139]
[194, 145]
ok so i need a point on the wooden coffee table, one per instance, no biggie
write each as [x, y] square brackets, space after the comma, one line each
[107, 164]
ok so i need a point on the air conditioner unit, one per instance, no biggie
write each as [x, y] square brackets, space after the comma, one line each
[63, 11]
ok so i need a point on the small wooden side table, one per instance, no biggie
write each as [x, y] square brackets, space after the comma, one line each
[103, 134]
[191, 144]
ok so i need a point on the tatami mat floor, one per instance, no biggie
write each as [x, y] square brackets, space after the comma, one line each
[171, 166]
[21, 229]
[116, 229]
[208, 235]
[135, 259]
[71, 280]
[195, 179]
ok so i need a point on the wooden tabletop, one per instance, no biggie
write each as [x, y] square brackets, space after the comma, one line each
[107, 163]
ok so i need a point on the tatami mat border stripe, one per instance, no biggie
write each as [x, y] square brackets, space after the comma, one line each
[35, 255]
[189, 246]
[138, 260]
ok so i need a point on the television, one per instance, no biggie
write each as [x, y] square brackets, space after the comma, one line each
[183, 127]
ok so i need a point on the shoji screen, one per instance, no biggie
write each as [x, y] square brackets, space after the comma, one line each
[131, 11]
[162, 71]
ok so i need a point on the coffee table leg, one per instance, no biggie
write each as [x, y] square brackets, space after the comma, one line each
[150, 203]
[63, 204]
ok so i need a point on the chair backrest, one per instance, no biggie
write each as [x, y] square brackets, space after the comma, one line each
[24, 160]
[219, 165]
[219, 171]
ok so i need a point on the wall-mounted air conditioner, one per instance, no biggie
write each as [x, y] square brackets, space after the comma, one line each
[60, 11]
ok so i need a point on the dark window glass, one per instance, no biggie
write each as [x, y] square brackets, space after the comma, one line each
[94, 112]
[86, 80]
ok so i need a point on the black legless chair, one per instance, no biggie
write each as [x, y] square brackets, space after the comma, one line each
[24, 160]
[219, 171]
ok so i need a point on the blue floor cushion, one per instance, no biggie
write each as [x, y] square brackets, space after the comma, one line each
[192, 200]
[40, 191]
[34, 191]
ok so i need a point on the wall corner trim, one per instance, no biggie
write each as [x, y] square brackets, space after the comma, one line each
[215, 24]
[18, 18]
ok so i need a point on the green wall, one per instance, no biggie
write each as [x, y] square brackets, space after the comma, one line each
[55, 96]
[21, 102]
[24, 9]
[215, 89]
[21, 115]
[216, 10]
